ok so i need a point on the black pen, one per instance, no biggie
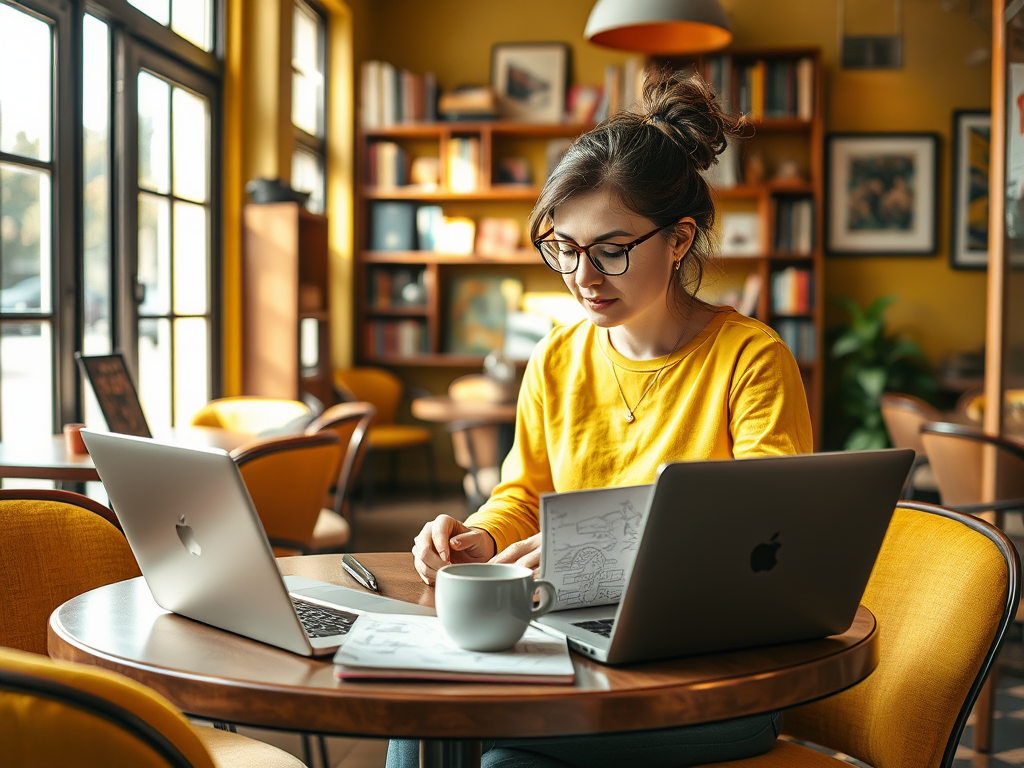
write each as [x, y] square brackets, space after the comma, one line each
[359, 572]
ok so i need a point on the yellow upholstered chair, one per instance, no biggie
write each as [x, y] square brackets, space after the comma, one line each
[255, 415]
[903, 416]
[58, 713]
[351, 423]
[971, 405]
[55, 545]
[386, 392]
[288, 479]
[944, 590]
[69, 544]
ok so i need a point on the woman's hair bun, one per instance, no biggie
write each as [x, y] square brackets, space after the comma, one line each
[686, 109]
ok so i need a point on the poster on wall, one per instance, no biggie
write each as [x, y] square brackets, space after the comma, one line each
[969, 242]
[882, 194]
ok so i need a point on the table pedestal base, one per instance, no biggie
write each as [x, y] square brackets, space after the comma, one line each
[449, 753]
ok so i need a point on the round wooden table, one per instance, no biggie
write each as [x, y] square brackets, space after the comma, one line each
[48, 457]
[443, 408]
[213, 674]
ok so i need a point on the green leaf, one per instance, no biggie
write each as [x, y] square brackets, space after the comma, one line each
[864, 439]
[847, 344]
[873, 380]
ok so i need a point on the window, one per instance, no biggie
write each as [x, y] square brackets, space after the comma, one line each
[35, 187]
[309, 37]
[173, 249]
[141, 206]
[192, 19]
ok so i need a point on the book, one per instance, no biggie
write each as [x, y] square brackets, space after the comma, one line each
[399, 647]
[589, 541]
[392, 226]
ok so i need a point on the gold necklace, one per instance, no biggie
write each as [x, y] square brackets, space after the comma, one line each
[629, 416]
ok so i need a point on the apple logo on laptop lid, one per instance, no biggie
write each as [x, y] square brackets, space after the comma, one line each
[762, 558]
[187, 538]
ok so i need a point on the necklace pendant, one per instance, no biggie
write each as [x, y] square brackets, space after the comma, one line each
[629, 417]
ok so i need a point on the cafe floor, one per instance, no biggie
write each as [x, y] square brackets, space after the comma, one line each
[393, 522]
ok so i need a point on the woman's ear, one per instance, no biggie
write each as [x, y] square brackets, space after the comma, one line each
[683, 236]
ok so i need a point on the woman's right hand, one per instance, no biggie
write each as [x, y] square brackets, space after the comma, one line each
[445, 540]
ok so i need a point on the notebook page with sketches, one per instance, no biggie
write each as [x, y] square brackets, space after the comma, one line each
[382, 646]
[589, 541]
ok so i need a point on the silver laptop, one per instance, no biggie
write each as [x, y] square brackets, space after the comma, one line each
[201, 547]
[748, 552]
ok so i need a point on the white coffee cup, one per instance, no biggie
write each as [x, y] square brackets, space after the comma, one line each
[488, 606]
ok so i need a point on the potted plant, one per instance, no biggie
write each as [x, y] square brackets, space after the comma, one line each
[866, 360]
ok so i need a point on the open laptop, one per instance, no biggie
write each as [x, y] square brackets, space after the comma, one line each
[201, 547]
[747, 552]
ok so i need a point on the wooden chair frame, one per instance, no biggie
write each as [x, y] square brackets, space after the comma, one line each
[362, 413]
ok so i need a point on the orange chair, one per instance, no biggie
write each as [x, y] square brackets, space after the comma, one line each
[288, 479]
[903, 416]
[351, 423]
[386, 392]
[476, 442]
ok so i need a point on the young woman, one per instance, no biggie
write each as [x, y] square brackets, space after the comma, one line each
[653, 375]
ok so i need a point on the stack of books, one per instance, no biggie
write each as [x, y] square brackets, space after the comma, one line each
[792, 291]
[391, 96]
[794, 226]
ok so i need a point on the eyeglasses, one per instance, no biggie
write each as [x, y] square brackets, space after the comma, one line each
[563, 256]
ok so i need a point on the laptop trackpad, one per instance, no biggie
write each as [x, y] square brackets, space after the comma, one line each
[300, 586]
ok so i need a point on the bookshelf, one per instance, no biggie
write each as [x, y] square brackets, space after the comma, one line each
[780, 88]
[286, 334]
[778, 176]
[403, 306]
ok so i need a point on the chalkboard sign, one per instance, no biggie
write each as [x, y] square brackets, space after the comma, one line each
[115, 392]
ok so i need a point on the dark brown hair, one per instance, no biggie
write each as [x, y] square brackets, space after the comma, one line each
[652, 160]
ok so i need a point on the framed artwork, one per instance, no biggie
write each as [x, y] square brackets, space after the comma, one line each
[881, 194]
[531, 80]
[969, 242]
[477, 309]
[115, 392]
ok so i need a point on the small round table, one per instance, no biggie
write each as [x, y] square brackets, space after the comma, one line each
[213, 674]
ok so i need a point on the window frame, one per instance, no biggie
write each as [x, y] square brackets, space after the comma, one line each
[132, 58]
[65, 199]
[316, 145]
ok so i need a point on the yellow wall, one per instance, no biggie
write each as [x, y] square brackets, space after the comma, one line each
[943, 309]
[259, 143]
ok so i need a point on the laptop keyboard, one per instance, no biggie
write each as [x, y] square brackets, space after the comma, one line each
[319, 621]
[601, 627]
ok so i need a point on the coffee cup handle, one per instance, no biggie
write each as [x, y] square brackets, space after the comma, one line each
[548, 595]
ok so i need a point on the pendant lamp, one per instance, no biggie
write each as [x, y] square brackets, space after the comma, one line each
[662, 27]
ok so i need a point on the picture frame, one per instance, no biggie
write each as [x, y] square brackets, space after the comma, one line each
[968, 244]
[531, 80]
[115, 392]
[881, 194]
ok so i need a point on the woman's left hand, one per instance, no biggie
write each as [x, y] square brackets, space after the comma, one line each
[525, 553]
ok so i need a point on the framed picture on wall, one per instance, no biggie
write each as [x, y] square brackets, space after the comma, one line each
[968, 247]
[881, 194]
[531, 80]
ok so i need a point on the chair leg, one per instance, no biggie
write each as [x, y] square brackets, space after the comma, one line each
[324, 759]
[984, 708]
[367, 490]
[307, 750]
[431, 470]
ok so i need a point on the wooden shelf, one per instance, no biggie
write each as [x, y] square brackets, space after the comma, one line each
[429, 257]
[409, 311]
[466, 127]
[497, 192]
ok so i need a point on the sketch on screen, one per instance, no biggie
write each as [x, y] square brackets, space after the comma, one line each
[589, 541]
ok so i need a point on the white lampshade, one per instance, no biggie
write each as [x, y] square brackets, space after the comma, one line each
[659, 26]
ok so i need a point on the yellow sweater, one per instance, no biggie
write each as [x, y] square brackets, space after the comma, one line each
[735, 390]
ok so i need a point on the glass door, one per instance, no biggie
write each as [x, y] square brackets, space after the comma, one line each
[170, 231]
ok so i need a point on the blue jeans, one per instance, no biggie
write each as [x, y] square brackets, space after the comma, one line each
[663, 748]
